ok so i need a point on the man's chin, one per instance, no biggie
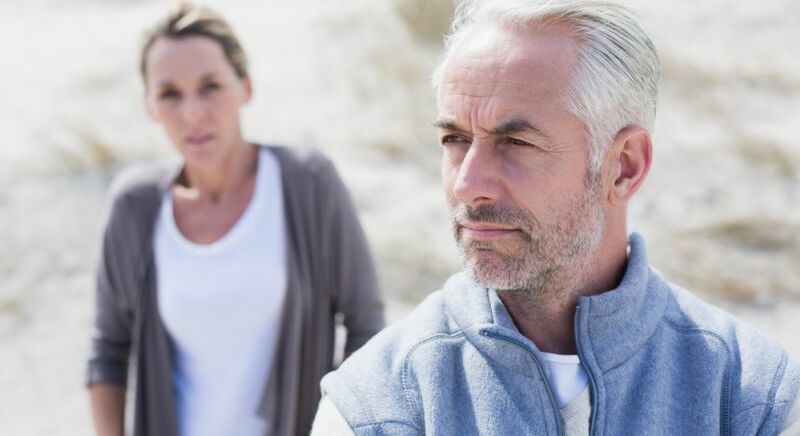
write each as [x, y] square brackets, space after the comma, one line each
[508, 250]
[492, 270]
[492, 280]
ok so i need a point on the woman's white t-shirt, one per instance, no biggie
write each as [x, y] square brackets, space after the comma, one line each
[221, 305]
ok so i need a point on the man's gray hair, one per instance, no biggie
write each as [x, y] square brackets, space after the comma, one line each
[615, 84]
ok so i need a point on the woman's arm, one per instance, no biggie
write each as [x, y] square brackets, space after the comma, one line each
[108, 408]
[358, 296]
[107, 368]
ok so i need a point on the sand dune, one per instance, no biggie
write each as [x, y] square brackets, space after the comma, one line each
[721, 209]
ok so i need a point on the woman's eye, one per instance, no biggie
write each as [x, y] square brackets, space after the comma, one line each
[211, 86]
[168, 95]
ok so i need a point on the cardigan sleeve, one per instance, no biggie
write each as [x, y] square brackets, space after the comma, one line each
[116, 284]
[356, 295]
[108, 362]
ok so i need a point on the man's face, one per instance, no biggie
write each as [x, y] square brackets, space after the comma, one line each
[515, 160]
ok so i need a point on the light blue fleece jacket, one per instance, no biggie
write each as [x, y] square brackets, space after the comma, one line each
[660, 362]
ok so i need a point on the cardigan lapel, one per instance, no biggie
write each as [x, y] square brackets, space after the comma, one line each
[279, 400]
[154, 411]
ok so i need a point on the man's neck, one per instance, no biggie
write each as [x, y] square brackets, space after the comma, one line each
[547, 316]
[548, 324]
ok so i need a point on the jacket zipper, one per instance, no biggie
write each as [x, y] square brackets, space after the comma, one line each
[592, 382]
[554, 407]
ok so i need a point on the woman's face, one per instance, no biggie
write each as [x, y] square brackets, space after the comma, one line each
[195, 94]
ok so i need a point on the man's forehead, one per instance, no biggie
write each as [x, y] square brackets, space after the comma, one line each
[502, 46]
[510, 63]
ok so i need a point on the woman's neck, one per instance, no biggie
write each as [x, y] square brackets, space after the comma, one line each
[213, 182]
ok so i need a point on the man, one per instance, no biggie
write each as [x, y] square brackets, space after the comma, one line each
[558, 325]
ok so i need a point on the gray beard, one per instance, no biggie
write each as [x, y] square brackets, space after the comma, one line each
[547, 262]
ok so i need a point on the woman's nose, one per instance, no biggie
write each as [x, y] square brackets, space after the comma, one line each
[193, 110]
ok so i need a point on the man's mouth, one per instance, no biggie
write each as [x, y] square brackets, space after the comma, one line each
[476, 231]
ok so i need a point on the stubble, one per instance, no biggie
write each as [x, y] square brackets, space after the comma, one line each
[546, 257]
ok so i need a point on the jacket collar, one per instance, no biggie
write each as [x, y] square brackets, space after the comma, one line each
[610, 326]
[613, 325]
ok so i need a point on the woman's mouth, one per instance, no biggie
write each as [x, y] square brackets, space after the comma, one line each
[199, 139]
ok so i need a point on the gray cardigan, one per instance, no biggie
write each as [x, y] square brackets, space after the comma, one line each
[330, 271]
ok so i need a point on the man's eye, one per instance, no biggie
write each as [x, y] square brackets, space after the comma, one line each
[519, 142]
[451, 139]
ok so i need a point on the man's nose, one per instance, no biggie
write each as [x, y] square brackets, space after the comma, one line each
[478, 179]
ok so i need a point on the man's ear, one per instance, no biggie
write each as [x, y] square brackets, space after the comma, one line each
[630, 159]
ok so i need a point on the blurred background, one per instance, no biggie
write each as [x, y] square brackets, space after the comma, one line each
[720, 210]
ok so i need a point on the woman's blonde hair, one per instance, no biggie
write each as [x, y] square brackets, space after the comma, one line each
[192, 20]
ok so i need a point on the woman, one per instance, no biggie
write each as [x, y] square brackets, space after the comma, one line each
[222, 277]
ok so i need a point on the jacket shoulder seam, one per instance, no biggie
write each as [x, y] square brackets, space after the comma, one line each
[760, 404]
[405, 374]
[725, 412]
[773, 391]
[375, 425]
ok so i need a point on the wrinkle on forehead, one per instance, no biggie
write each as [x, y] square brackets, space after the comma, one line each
[467, 81]
[494, 60]
[499, 72]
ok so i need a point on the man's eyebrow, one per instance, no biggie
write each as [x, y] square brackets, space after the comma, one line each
[448, 124]
[516, 125]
